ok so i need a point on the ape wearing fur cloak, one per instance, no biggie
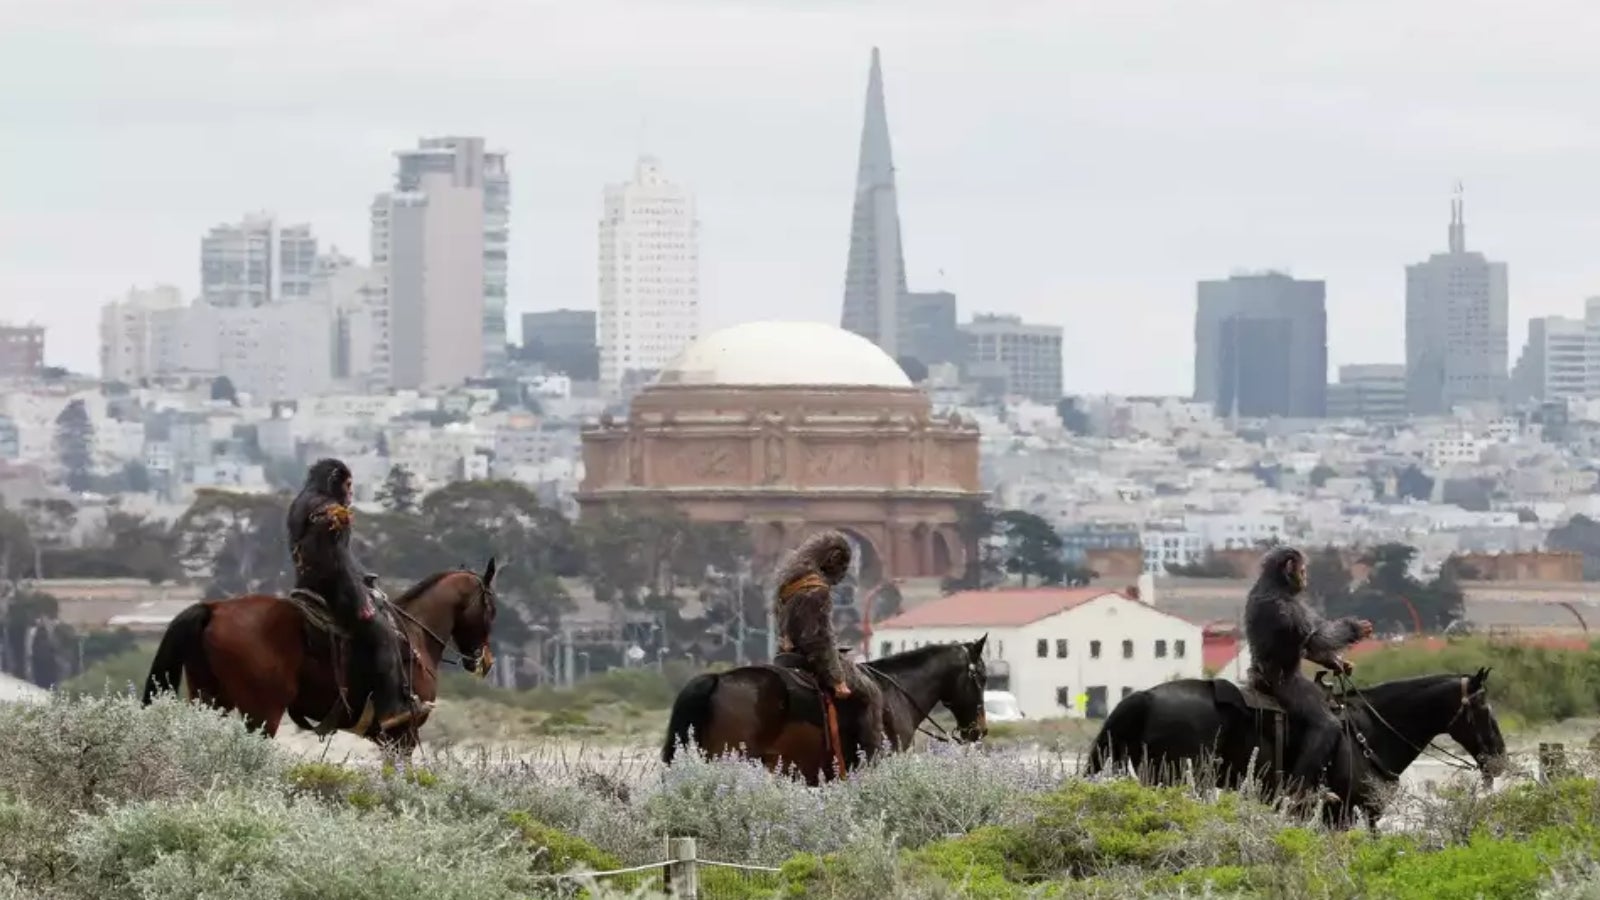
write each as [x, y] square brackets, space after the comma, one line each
[1281, 630]
[803, 612]
[320, 523]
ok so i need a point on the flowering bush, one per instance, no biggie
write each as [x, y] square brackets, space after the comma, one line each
[103, 798]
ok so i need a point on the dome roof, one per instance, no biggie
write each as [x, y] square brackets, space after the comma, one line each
[784, 353]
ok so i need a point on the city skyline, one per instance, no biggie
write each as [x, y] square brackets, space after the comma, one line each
[1047, 176]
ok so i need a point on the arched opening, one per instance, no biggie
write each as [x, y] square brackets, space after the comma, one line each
[944, 562]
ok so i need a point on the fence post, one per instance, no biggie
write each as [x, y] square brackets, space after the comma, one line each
[683, 876]
[1552, 761]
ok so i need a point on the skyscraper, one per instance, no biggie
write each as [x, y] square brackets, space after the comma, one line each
[1028, 356]
[256, 262]
[649, 275]
[439, 248]
[1261, 346]
[1457, 310]
[875, 273]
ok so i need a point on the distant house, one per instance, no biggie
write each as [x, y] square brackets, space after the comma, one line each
[1049, 646]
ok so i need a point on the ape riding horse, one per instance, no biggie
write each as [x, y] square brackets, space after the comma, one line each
[1217, 726]
[768, 713]
[266, 656]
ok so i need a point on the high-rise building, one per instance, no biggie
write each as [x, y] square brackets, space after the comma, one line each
[649, 276]
[360, 316]
[875, 273]
[1029, 356]
[1457, 318]
[1554, 365]
[563, 340]
[1261, 346]
[1375, 392]
[130, 332]
[929, 332]
[21, 350]
[255, 262]
[439, 247]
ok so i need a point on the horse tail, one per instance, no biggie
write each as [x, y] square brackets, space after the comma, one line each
[691, 711]
[180, 645]
[1125, 722]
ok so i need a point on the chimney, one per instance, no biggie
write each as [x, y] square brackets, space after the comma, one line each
[1132, 591]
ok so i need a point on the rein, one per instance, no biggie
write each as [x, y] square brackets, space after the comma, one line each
[1455, 761]
[464, 662]
[922, 714]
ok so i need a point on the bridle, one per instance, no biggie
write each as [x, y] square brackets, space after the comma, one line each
[474, 663]
[944, 736]
[1454, 761]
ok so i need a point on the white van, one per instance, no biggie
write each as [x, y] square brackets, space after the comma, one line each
[1001, 706]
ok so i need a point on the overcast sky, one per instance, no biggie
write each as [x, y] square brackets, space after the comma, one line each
[1081, 163]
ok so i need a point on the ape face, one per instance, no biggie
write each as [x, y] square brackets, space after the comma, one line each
[1294, 571]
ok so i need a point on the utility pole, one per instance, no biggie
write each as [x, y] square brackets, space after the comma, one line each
[739, 602]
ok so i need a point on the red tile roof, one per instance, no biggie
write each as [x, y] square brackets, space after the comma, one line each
[1216, 651]
[1007, 607]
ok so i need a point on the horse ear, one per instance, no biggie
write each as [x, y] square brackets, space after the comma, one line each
[489, 572]
[976, 647]
[1481, 677]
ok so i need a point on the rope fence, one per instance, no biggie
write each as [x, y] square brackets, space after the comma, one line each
[683, 875]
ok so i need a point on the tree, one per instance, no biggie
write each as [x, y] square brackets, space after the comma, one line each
[74, 442]
[234, 543]
[1328, 580]
[1209, 566]
[1075, 420]
[16, 548]
[976, 523]
[1394, 600]
[1321, 474]
[399, 491]
[222, 389]
[1032, 547]
[1413, 483]
[1580, 534]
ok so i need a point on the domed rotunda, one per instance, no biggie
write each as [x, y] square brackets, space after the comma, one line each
[792, 427]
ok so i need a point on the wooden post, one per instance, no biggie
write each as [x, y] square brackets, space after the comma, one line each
[1552, 761]
[683, 877]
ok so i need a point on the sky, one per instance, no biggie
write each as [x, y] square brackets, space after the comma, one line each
[1073, 162]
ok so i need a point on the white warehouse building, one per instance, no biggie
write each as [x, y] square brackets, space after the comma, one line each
[1048, 646]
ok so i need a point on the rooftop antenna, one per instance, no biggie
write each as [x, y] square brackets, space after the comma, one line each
[1458, 219]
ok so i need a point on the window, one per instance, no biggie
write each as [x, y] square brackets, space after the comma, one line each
[1043, 648]
[1061, 648]
[1126, 691]
[1094, 649]
[1178, 649]
[1064, 697]
[886, 648]
[1161, 649]
[1127, 649]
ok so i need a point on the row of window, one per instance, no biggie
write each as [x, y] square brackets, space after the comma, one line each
[1180, 649]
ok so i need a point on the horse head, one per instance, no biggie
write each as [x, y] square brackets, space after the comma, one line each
[963, 691]
[1475, 728]
[475, 610]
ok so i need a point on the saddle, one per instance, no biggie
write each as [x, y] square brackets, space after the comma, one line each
[805, 687]
[335, 640]
[1272, 723]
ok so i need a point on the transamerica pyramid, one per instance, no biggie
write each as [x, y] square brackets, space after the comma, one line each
[875, 274]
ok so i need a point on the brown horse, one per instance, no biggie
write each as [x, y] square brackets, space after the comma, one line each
[766, 713]
[259, 656]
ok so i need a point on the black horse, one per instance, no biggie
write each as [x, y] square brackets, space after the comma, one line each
[771, 714]
[1213, 726]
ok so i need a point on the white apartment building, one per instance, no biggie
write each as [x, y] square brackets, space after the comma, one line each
[439, 250]
[649, 275]
[360, 312]
[278, 352]
[255, 262]
[128, 332]
[1047, 646]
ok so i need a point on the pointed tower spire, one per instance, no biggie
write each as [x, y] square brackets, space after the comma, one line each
[875, 272]
[1458, 220]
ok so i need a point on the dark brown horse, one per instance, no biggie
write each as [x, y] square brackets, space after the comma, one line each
[259, 656]
[765, 713]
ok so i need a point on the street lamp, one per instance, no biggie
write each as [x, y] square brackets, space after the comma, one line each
[584, 655]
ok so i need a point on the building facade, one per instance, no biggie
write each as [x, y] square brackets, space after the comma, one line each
[1029, 356]
[563, 340]
[1261, 346]
[1457, 317]
[255, 262]
[1554, 365]
[131, 335]
[439, 247]
[929, 332]
[1374, 392]
[21, 351]
[1053, 646]
[791, 427]
[649, 276]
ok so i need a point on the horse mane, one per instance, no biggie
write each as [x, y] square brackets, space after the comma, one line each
[1387, 690]
[423, 586]
[913, 657]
